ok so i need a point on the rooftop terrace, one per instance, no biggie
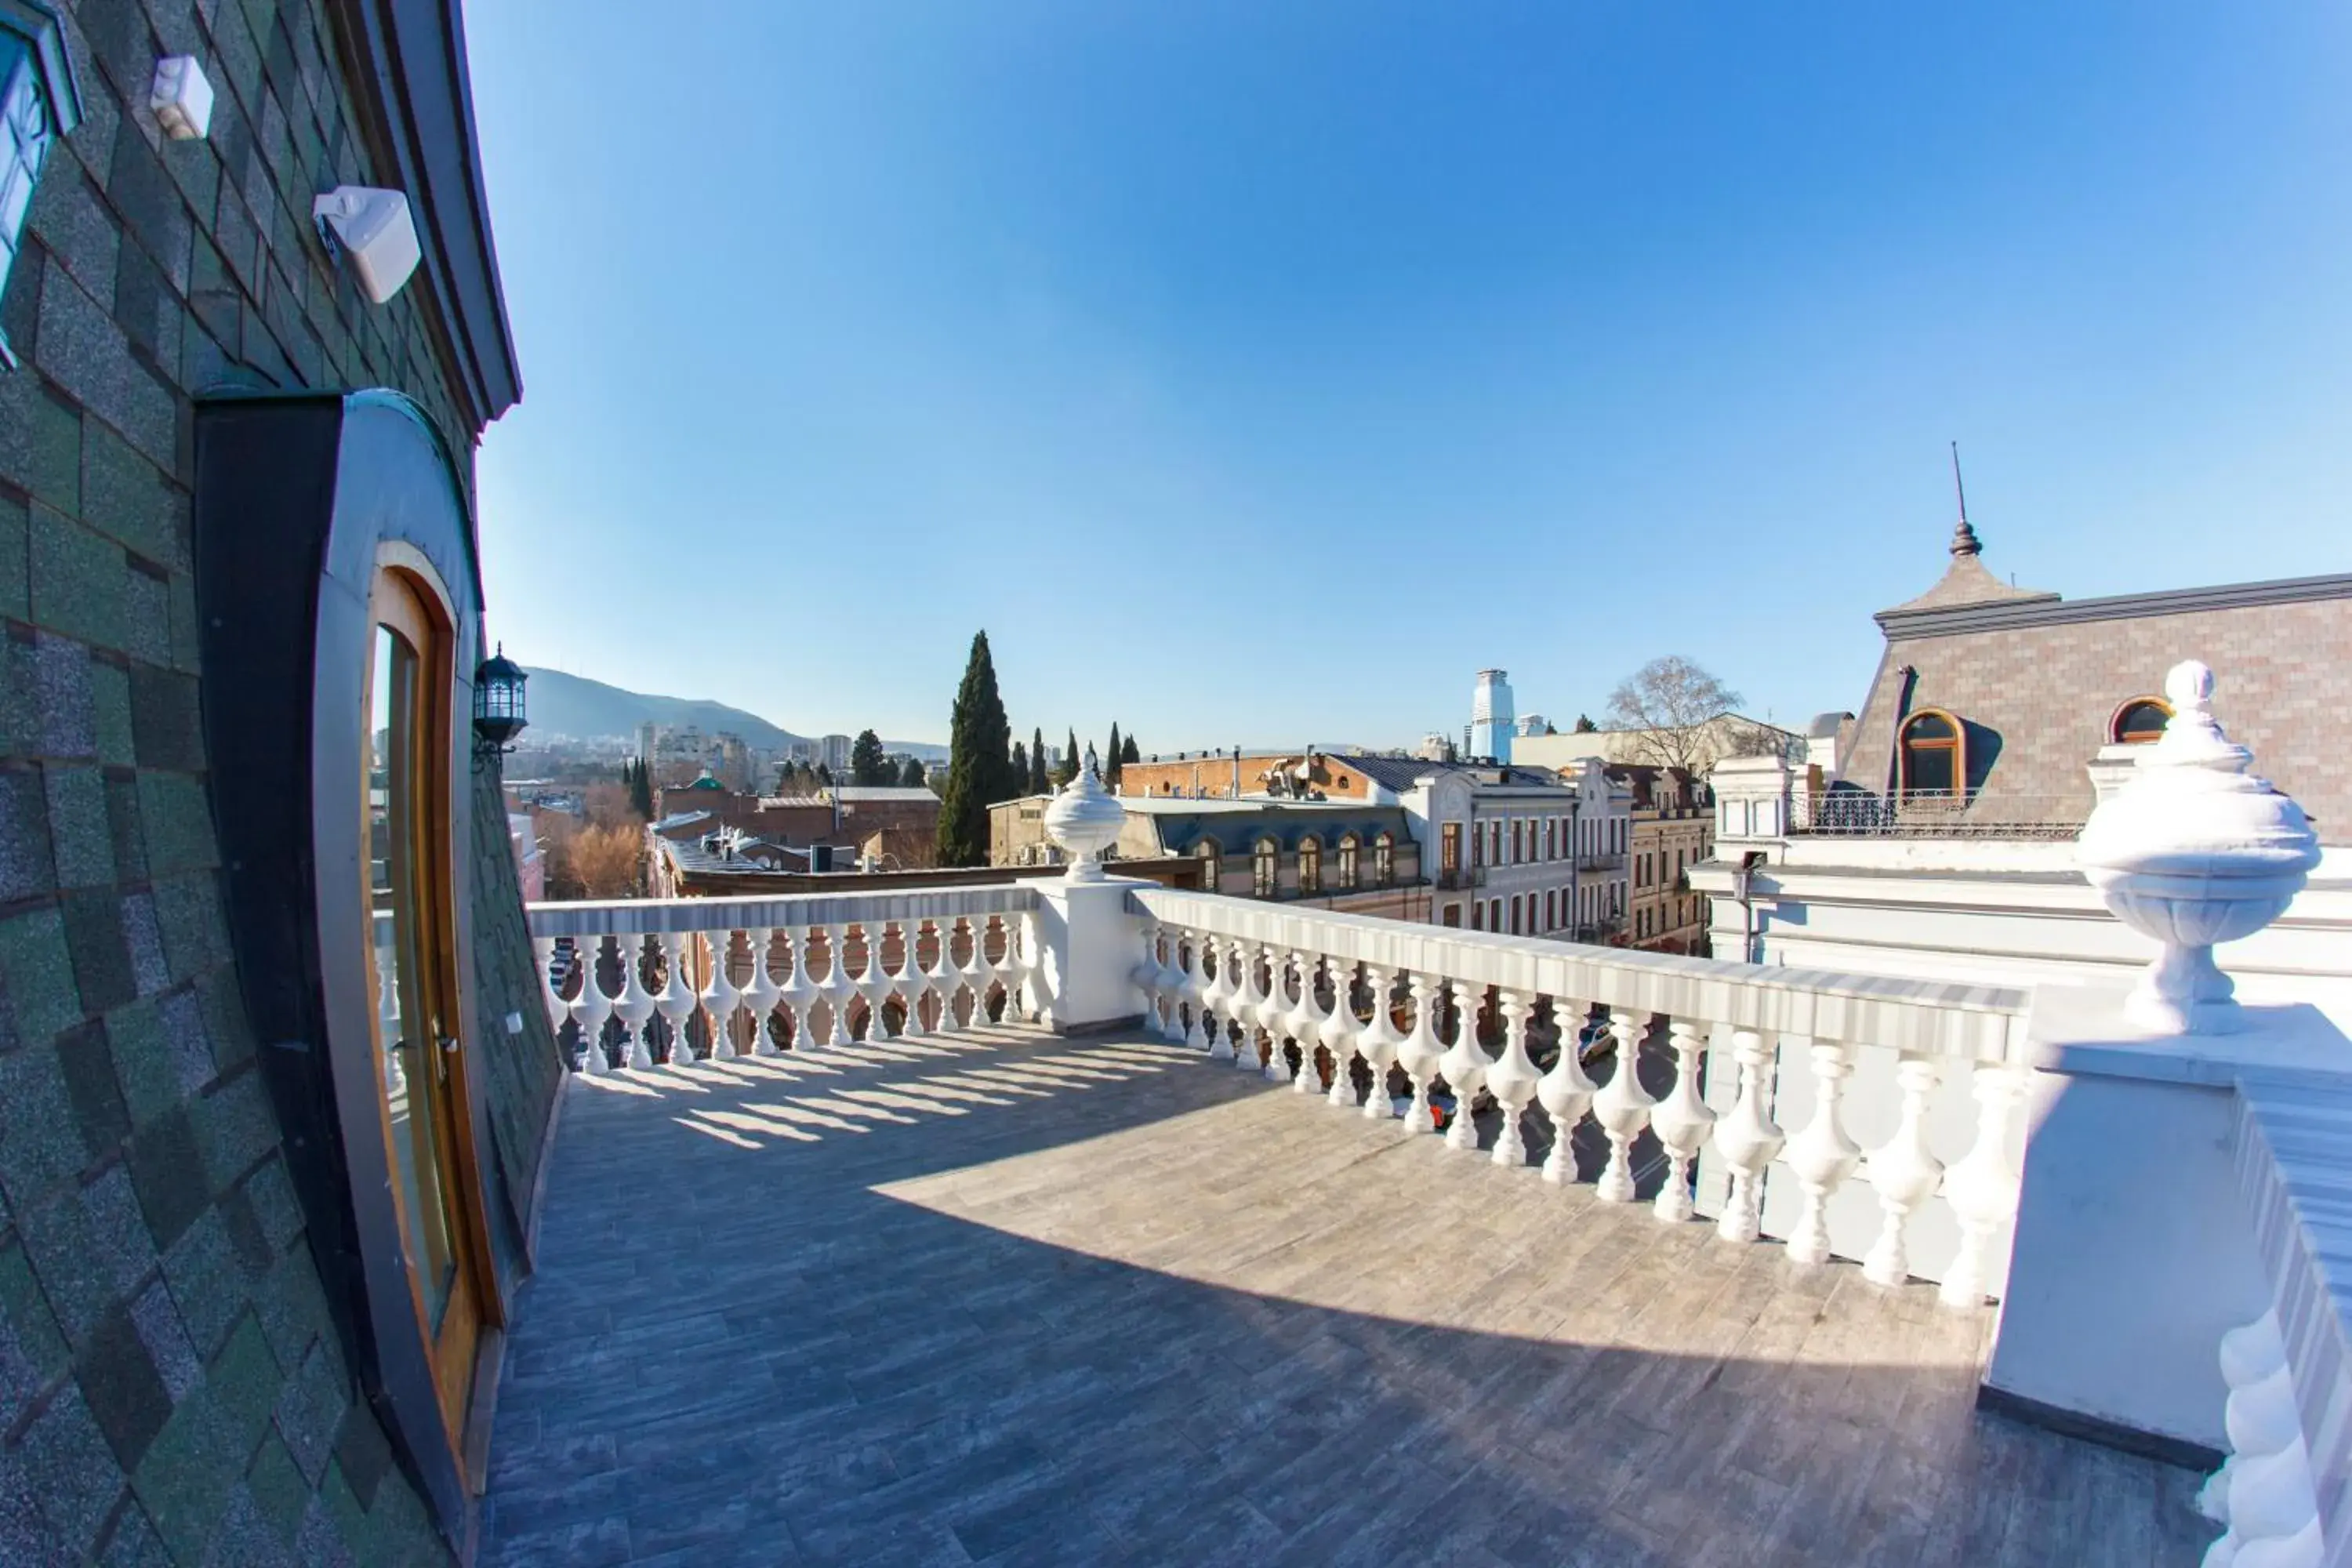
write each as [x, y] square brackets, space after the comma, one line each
[990, 1295]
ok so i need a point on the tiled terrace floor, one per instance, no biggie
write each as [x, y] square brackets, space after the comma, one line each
[1006, 1299]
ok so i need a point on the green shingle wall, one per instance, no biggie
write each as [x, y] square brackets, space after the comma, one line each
[171, 1387]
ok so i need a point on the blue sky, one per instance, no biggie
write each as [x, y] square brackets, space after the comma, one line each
[1257, 373]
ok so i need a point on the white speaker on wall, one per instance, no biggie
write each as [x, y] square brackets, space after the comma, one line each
[372, 227]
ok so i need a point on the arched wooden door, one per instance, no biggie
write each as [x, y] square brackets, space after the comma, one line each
[412, 965]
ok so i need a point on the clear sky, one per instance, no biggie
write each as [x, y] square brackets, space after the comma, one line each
[1257, 373]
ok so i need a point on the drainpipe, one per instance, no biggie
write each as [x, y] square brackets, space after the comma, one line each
[1575, 882]
[1237, 772]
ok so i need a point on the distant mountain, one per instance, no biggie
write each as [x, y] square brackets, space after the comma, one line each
[565, 704]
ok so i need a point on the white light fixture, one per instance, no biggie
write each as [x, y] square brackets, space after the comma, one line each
[182, 98]
[373, 227]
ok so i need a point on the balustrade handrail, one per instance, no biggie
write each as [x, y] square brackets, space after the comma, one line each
[1934, 814]
[607, 917]
[1946, 1018]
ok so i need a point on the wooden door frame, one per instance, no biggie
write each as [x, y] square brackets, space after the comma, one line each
[402, 569]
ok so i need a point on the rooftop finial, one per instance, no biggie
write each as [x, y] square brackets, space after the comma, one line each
[1964, 538]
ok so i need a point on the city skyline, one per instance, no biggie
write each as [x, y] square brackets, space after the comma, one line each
[1390, 347]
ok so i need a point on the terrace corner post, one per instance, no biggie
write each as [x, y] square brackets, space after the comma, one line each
[1088, 937]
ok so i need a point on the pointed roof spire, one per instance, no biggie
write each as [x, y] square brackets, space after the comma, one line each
[1964, 538]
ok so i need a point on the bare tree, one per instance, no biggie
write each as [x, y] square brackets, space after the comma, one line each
[1668, 704]
[604, 861]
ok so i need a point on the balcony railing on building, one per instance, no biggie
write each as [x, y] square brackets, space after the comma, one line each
[1934, 814]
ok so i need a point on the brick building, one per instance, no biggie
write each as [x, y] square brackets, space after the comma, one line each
[1673, 830]
[2004, 693]
[1235, 773]
[235, 521]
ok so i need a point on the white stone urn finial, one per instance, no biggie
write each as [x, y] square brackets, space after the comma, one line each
[1084, 820]
[2194, 850]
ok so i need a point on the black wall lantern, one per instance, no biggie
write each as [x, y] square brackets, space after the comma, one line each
[497, 704]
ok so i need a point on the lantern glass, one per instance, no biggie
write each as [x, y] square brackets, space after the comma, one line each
[499, 710]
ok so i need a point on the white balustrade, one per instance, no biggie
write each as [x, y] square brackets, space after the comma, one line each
[748, 944]
[1739, 1035]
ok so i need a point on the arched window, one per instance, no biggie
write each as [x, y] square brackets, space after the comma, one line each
[1932, 755]
[1384, 858]
[1310, 864]
[2138, 722]
[1348, 878]
[1265, 861]
[1211, 870]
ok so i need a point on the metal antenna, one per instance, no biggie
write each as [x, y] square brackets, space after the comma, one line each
[1964, 538]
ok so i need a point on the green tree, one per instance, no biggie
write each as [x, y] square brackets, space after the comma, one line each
[1584, 725]
[979, 746]
[1068, 767]
[1131, 754]
[1038, 782]
[638, 777]
[1021, 762]
[824, 777]
[867, 767]
[911, 777]
[1111, 757]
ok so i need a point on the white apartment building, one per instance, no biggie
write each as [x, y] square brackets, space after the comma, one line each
[1517, 850]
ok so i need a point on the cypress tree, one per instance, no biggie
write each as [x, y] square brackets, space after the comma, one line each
[1112, 757]
[979, 766]
[638, 779]
[912, 775]
[1021, 762]
[866, 764]
[1069, 768]
[1038, 782]
[1131, 754]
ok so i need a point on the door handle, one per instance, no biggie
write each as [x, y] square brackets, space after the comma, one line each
[449, 1049]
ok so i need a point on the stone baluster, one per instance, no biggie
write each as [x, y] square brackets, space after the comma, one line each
[1902, 1172]
[1622, 1107]
[636, 1003]
[595, 1008]
[1822, 1154]
[1682, 1120]
[1193, 981]
[1306, 1022]
[2265, 1492]
[1250, 1008]
[1343, 1033]
[800, 993]
[1378, 1041]
[719, 995]
[913, 981]
[1146, 976]
[1217, 959]
[941, 980]
[1982, 1188]
[874, 982]
[550, 989]
[760, 993]
[1747, 1138]
[1511, 1078]
[1565, 1092]
[974, 968]
[1422, 1050]
[1464, 1066]
[677, 1001]
[1005, 968]
[837, 987]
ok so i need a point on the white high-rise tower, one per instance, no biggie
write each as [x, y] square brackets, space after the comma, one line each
[1491, 716]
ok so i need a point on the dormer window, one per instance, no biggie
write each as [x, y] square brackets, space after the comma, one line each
[1265, 861]
[2139, 721]
[1347, 862]
[1931, 756]
[39, 104]
[1384, 858]
[1311, 865]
